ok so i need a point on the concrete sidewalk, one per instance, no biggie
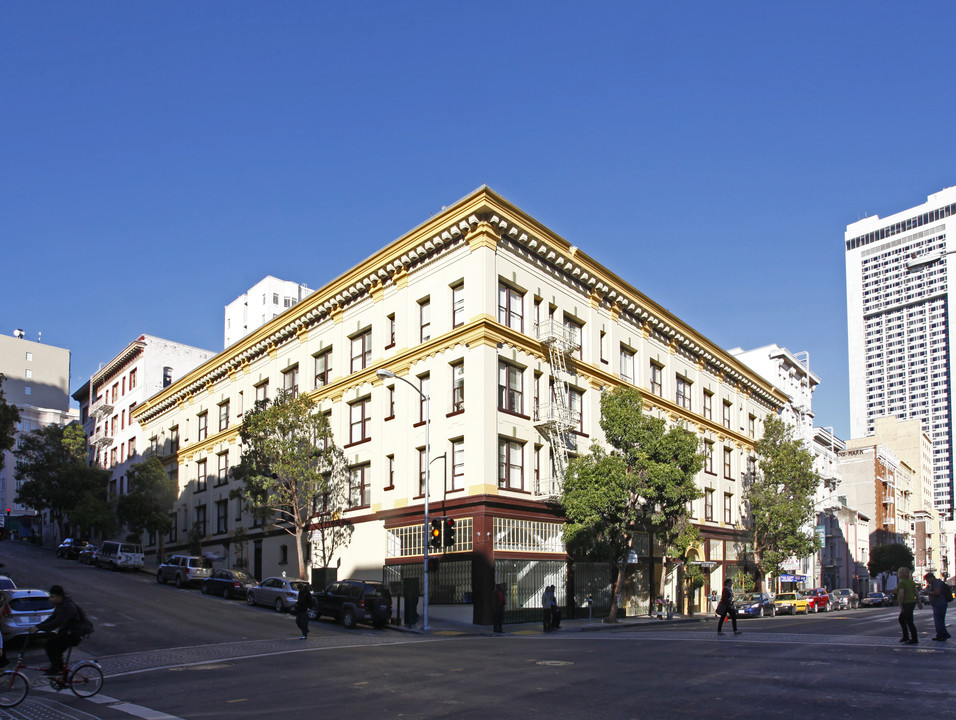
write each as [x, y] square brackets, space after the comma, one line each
[440, 626]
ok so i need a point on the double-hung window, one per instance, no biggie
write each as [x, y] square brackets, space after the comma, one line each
[657, 379]
[457, 465]
[358, 421]
[627, 365]
[510, 388]
[458, 305]
[224, 415]
[458, 386]
[358, 487]
[683, 392]
[290, 381]
[361, 351]
[425, 319]
[323, 367]
[510, 464]
[510, 311]
[203, 426]
[223, 477]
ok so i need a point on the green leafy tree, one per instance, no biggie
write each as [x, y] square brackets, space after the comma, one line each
[887, 559]
[780, 498]
[291, 469]
[53, 474]
[9, 417]
[644, 486]
[148, 502]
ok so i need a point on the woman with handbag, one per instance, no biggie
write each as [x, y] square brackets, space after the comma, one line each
[726, 607]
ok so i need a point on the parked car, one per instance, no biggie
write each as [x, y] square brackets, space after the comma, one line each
[87, 555]
[277, 592]
[754, 604]
[184, 570]
[21, 609]
[791, 603]
[355, 601]
[845, 599]
[6, 583]
[819, 598]
[228, 583]
[70, 548]
[120, 555]
[876, 599]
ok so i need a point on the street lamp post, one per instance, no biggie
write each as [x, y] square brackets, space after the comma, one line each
[914, 261]
[389, 375]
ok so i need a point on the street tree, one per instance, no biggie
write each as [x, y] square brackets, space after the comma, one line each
[887, 559]
[779, 498]
[53, 474]
[9, 417]
[644, 485]
[292, 473]
[149, 499]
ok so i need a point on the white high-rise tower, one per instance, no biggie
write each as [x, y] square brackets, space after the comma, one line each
[899, 280]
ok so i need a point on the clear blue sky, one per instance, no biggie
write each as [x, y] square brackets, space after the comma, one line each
[159, 158]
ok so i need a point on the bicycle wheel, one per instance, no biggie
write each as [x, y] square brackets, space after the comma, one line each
[86, 679]
[13, 688]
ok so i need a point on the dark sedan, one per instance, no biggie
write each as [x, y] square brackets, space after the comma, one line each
[756, 604]
[228, 583]
[876, 599]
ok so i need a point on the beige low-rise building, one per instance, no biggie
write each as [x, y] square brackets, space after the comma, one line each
[512, 333]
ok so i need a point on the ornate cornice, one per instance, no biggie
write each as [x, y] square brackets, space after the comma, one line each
[480, 217]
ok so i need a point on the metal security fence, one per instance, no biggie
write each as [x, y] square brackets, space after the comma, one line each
[449, 584]
[525, 581]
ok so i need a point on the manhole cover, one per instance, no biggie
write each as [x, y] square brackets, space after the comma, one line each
[554, 663]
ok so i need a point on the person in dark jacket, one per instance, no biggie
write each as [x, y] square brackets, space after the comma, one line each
[499, 607]
[302, 606]
[937, 600]
[67, 619]
[726, 607]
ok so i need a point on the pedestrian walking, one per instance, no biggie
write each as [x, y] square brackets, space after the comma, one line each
[498, 603]
[726, 607]
[546, 608]
[907, 597]
[302, 606]
[938, 601]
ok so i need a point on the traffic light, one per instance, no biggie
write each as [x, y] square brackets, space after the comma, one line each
[449, 532]
[434, 535]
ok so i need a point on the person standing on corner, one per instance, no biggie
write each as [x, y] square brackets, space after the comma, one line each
[302, 606]
[546, 608]
[498, 604]
[937, 599]
[726, 607]
[907, 597]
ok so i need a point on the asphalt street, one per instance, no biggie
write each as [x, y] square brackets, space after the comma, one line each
[171, 653]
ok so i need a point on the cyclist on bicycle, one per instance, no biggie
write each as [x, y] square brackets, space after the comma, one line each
[70, 623]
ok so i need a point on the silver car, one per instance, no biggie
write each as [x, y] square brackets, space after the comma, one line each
[21, 609]
[277, 592]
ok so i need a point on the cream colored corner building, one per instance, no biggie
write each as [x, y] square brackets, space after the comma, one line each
[513, 333]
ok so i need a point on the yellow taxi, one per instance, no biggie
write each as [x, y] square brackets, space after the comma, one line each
[791, 603]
